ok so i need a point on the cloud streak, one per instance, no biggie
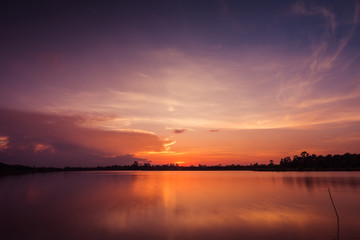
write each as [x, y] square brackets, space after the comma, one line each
[178, 131]
[300, 8]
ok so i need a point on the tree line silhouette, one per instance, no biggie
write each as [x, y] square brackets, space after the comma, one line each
[307, 161]
[303, 162]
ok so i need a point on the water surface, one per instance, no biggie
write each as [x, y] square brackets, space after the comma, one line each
[179, 205]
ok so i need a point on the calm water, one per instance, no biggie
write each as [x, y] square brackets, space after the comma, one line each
[179, 205]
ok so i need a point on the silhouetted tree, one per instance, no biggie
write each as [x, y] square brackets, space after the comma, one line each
[271, 163]
[304, 154]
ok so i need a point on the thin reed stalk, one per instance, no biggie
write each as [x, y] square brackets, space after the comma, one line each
[337, 215]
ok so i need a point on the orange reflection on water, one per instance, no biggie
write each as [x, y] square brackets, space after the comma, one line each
[181, 205]
[198, 201]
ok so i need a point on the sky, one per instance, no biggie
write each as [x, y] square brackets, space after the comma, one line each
[88, 83]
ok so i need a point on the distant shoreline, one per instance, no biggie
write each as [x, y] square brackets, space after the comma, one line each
[303, 163]
[19, 169]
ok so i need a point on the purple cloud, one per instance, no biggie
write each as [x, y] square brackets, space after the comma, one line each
[214, 130]
[58, 140]
[178, 131]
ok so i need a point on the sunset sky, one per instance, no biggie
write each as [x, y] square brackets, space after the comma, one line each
[190, 82]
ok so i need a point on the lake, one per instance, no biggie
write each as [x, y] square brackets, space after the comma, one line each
[179, 205]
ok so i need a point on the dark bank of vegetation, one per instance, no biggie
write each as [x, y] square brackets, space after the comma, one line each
[304, 162]
[19, 169]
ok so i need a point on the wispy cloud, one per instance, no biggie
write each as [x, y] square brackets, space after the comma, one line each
[326, 62]
[301, 8]
[355, 93]
[323, 56]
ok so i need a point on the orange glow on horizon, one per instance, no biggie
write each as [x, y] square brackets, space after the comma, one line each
[180, 163]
